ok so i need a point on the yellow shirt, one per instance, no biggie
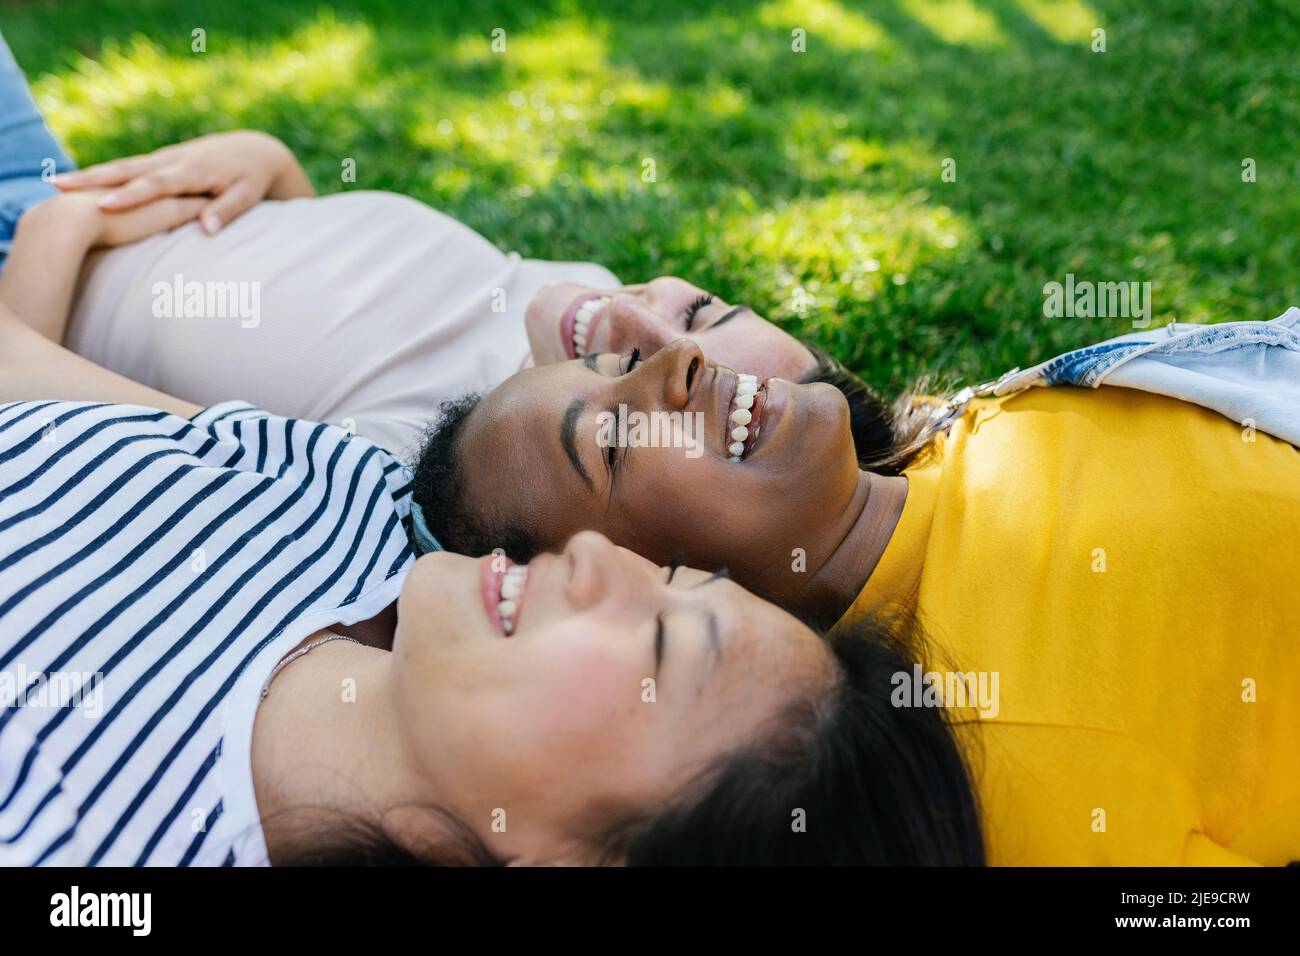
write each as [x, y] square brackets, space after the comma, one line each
[1128, 566]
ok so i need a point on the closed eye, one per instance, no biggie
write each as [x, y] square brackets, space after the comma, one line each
[695, 306]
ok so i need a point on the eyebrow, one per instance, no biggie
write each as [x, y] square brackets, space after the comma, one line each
[715, 636]
[590, 359]
[730, 314]
[568, 428]
[711, 619]
[722, 574]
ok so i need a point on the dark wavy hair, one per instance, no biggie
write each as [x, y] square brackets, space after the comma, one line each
[887, 436]
[838, 776]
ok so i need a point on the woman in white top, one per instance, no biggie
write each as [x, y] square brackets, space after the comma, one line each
[371, 308]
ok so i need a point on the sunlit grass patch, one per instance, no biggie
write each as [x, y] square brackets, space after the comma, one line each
[825, 21]
[316, 62]
[958, 21]
[1068, 21]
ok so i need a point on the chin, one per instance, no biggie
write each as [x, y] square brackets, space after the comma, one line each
[825, 413]
[535, 325]
[426, 583]
[542, 323]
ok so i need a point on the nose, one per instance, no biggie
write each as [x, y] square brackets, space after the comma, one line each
[633, 323]
[671, 371]
[592, 559]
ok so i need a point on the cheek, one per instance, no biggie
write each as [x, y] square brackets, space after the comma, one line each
[520, 722]
[702, 510]
[589, 698]
[673, 515]
[572, 718]
[759, 349]
[542, 323]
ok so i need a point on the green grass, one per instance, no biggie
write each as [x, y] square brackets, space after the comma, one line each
[775, 170]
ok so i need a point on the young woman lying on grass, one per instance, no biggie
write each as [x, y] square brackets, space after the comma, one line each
[167, 567]
[1112, 565]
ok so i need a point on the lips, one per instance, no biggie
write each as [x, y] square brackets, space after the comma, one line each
[579, 321]
[502, 583]
[744, 405]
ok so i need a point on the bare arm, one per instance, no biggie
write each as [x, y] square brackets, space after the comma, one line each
[51, 243]
[33, 367]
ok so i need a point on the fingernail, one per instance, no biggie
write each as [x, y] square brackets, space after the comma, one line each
[211, 223]
[107, 200]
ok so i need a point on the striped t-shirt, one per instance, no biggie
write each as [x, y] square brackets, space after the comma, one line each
[153, 570]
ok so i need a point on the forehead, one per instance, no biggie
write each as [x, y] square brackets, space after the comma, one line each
[750, 338]
[764, 637]
[518, 412]
[511, 442]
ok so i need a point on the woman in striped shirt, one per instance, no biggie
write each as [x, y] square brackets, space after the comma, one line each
[165, 569]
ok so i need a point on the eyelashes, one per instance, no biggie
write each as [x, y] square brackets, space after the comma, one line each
[695, 306]
[611, 456]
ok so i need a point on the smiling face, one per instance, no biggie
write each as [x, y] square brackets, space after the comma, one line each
[617, 682]
[536, 454]
[567, 321]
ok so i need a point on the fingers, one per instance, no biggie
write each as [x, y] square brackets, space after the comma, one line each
[226, 207]
[177, 212]
[103, 175]
[150, 186]
[160, 215]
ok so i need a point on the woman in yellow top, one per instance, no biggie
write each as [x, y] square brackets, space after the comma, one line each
[1125, 564]
[1118, 566]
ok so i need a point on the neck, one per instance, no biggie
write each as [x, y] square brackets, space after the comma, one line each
[854, 546]
[377, 631]
[326, 747]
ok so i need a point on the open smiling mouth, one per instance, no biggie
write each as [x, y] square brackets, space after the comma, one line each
[582, 321]
[745, 420]
[503, 591]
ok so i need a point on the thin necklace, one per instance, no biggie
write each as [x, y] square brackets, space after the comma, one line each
[290, 658]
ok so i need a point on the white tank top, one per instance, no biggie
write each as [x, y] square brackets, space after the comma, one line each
[371, 309]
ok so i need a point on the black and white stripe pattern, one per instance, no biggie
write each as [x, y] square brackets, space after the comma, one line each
[178, 560]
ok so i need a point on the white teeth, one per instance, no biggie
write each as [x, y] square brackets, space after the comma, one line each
[582, 321]
[741, 416]
[512, 589]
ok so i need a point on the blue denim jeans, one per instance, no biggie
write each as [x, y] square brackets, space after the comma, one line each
[29, 153]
